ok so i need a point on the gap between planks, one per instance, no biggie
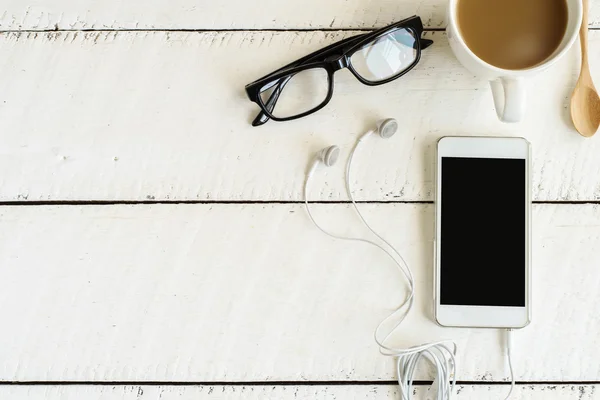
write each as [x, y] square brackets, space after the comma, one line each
[242, 202]
[284, 383]
[190, 30]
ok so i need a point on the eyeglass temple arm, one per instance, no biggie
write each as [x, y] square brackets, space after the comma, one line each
[425, 43]
[262, 117]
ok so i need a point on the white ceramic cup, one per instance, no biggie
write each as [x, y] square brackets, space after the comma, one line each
[508, 86]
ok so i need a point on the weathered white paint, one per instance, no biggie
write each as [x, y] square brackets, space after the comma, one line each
[144, 392]
[256, 293]
[204, 14]
[253, 292]
[136, 116]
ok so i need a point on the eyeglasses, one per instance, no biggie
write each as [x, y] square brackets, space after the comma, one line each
[306, 85]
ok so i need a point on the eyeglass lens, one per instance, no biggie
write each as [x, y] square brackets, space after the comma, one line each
[296, 94]
[386, 56]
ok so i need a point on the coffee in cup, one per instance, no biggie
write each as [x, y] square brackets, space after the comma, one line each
[507, 41]
[512, 34]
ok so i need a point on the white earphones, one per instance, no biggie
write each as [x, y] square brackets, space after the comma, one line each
[386, 128]
[440, 354]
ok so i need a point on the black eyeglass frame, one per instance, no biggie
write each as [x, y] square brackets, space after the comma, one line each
[331, 58]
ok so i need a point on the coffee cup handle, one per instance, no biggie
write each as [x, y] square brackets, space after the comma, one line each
[509, 98]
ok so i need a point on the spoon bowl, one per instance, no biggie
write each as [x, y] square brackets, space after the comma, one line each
[585, 109]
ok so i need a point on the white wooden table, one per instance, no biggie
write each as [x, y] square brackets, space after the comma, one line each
[153, 244]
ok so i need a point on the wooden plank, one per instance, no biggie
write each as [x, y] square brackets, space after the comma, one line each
[163, 116]
[238, 293]
[236, 14]
[368, 392]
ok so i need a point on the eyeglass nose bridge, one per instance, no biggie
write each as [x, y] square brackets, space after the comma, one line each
[337, 62]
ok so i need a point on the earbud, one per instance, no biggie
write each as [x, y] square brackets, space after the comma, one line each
[386, 128]
[328, 156]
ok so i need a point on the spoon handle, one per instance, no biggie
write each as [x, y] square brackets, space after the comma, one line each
[583, 34]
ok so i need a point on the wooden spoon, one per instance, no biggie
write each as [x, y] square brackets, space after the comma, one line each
[585, 102]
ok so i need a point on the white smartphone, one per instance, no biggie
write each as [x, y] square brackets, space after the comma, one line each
[482, 239]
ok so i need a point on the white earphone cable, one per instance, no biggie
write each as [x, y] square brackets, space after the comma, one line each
[508, 348]
[439, 353]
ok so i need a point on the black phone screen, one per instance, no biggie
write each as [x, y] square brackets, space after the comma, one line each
[483, 231]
